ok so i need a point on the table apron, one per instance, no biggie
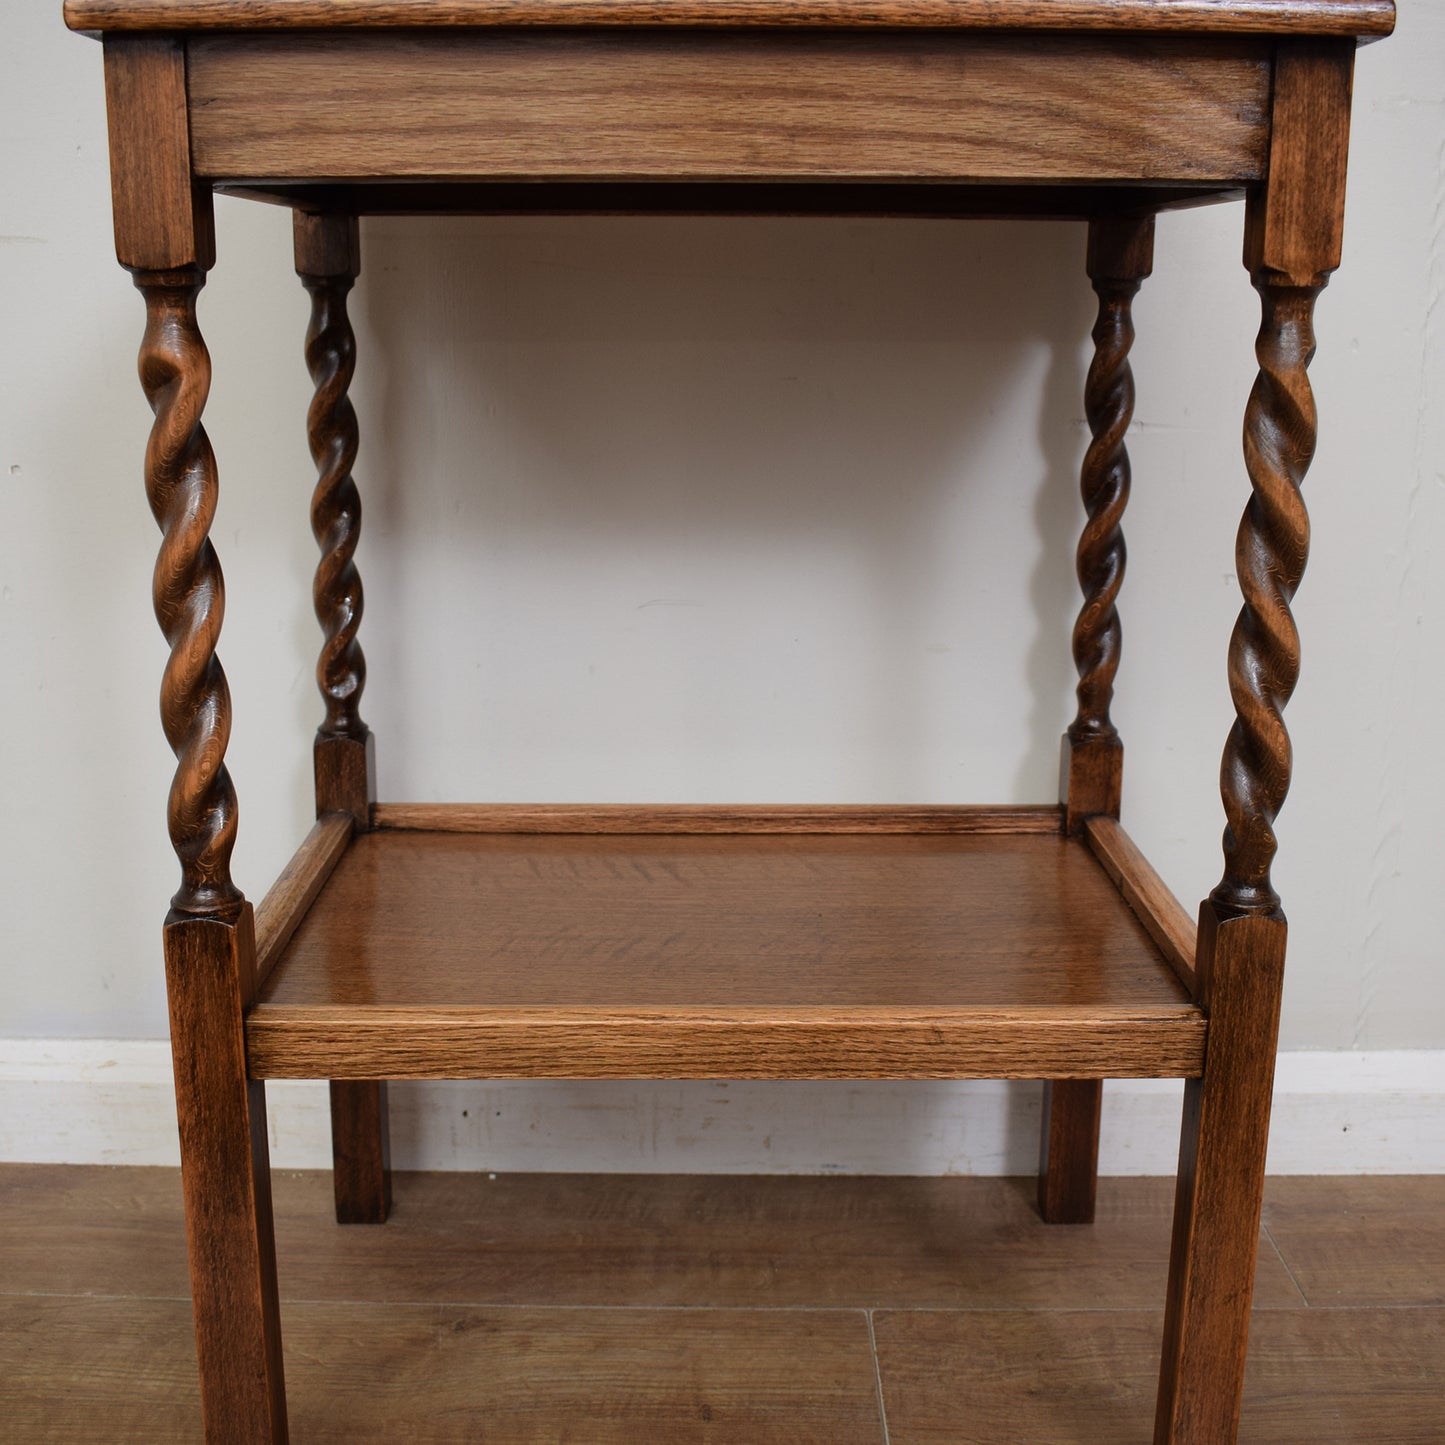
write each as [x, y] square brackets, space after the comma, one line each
[501, 105]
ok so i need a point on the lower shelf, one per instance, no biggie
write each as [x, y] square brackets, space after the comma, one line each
[943, 952]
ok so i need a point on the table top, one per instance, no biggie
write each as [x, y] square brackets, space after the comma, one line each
[1363, 18]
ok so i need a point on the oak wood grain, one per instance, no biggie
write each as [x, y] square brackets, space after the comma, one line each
[447, 920]
[1069, 1150]
[575, 955]
[701, 818]
[607, 105]
[1240, 968]
[360, 1151]
[295, 889]
[163, 220]
[1271, 17]
[226, 1177]
[367, 1042]
[1147, 894]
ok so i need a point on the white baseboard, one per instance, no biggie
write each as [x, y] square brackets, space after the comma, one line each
[88, 1101]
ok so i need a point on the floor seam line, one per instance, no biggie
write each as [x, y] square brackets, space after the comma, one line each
[1284, 1263]
[877, 1375]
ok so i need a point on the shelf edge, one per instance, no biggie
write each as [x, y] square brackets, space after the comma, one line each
[715, 818]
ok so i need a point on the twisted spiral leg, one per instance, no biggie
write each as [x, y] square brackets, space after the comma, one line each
[181, 483]
[1109, 406]
[335, 505]
[1270, 554]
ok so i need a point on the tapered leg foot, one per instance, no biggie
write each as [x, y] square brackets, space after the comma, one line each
[225, 1172]
[1069, 1157]
[361, 1151]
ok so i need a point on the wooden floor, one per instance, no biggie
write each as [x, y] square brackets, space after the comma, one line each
[554, 1308]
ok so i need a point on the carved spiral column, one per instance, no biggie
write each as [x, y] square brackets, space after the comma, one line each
[181, 484]
[335, 505]
[1121, 254]
[1109, 406]
[1270, 553]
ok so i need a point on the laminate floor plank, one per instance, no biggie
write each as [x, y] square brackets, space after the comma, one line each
[118, 1371]
[1376, 1240]
[641, 1240]
[1330, 1377]
[439, 1373]
[77, 1368]
[92, 1229]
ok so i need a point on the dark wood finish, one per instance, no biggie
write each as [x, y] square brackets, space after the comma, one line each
[1120, 256]
[361, 1151]
[1292, 243]
[162, 216]
[1269, 17]
[1161, 913]
[763, 956]
[771, 106]
[328, 260]
[740, 1042]
[293, 893]
[723, 942]
[883, 818]
[181, 484]
[226, 1175]
[1069, 1150]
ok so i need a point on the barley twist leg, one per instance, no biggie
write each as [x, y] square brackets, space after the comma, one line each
[1270, 553]
[181, 483]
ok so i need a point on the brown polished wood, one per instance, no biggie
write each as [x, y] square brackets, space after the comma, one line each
[1120, 255]
[189, 595]
[723, 941]
[717, 955]
[292, 894]
[678, 106]
[1292, 244]
[328, 260]
[1271, 17]
[225, 1171]
[1171, 928]
[702, 818]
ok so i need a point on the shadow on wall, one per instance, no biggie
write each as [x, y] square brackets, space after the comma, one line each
[720, 510]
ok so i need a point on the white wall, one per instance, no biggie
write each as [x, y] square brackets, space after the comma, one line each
[720, 510]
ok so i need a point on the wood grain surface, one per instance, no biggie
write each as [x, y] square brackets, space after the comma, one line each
[163, 220]
[449, 920]
[1277, 17]
[774, 106]
[296, 888]
[488, 955]
[1161, 913]
[714, 818]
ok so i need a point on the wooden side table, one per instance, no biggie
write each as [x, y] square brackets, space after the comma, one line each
[410, 941]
